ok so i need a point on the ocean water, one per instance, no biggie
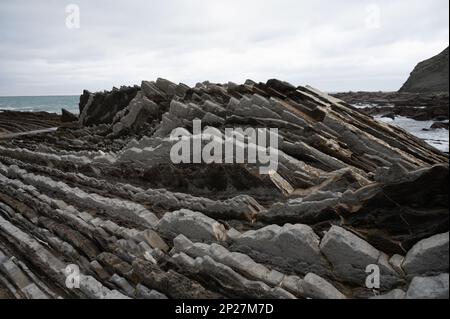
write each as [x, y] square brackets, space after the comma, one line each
[436, 138]
[52, 104]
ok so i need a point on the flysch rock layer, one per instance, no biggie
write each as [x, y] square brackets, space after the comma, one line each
[351, 198]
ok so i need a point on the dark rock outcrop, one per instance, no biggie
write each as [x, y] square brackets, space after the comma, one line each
[101, 107]
[68, 117]
[430, 75]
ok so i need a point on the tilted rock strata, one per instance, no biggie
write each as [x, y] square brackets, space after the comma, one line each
[348, 193]
[417, 106]
[12, 122]
[430, 75]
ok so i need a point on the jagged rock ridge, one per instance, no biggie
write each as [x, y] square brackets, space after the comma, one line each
[349, 192]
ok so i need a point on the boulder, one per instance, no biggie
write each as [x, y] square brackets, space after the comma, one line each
[351, 255]
[293, 247]
[428, 256]
[429, 287]
[430, 75]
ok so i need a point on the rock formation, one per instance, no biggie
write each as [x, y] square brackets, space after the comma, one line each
[417, 106]
[68, 117]
[430, 75]
[349, 193]
[12, 122]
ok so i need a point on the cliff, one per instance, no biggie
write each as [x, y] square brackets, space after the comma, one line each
[430, 75]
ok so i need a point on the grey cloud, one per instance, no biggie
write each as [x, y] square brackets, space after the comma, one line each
[323, 43]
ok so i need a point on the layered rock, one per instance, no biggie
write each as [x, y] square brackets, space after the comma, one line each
[425, 106]
[16, 123]
[348, 193]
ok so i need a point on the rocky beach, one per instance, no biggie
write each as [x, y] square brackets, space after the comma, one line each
[96, 194]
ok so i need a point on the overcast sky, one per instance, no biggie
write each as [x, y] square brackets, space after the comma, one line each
[332, 45]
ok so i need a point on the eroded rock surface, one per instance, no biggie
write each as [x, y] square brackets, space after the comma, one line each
[102, 194]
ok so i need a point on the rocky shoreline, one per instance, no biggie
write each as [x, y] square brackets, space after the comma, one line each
[101, 193]
[21, 122]
[417, 106]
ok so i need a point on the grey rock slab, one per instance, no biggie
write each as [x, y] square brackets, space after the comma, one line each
[193, 225]
[351, 255]
[428, 256]
[317, 287]
[429, 287]
[293, 246]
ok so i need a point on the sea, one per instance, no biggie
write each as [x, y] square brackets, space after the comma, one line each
[437, 138]
[53, 104]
